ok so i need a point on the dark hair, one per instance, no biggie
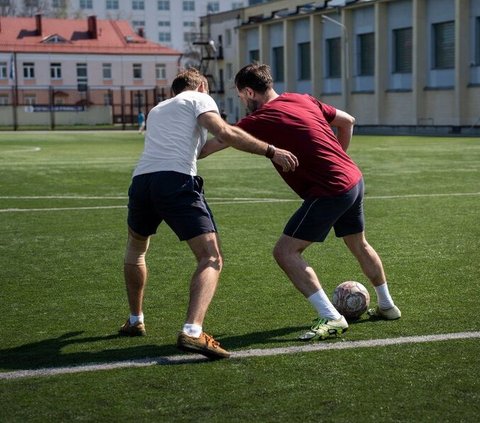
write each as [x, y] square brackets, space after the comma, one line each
[254, 76]
[188, 79]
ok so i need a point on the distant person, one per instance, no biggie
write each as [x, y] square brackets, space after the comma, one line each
[223, 115]
[141, 122]
[328, 181]
[166, 187]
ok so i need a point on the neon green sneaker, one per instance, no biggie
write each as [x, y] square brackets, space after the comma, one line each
[324, 329]
[392, 313]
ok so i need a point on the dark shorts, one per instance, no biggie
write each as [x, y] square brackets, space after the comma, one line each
[316, 217]
[173, 197]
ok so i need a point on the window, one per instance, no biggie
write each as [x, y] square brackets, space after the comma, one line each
[304, 61]
[160, 71]
[254, 56]
[228, 37]
[189, 37]
[3, 70]
[444, 45]
[188, 24]
[164, 37]
[138, 4]
[163, 5]
[213, 7]
[334, 59]
[402, 50]
[30, 99]
[137, 71]
[3, 100]
[477, 41]
[112, 5]
[107, 99]
[82, 78]
[86, 4]
[366, 44]
[189, 6]
[107, 71]
[29, 70]
[278, 71]
[237, 5]
[229, 69]
[164, 23]
[138, 24]
[55, 70]
[59, 3]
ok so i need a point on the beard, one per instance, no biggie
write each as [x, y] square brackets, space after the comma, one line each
[252, 105]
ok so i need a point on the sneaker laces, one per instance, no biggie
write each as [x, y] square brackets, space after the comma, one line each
[211, 341]
[319, 321]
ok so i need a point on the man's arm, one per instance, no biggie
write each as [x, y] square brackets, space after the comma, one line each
[212, 146]
[344, 124]
[237, 138]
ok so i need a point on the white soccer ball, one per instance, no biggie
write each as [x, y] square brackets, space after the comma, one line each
[351, 299]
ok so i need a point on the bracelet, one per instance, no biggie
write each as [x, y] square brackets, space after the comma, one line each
[270, 151]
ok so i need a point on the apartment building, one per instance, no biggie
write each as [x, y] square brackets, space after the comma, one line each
[68, 64]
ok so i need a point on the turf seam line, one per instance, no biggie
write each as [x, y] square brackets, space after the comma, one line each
[262, 352]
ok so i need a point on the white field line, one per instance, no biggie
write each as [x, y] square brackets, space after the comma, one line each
[263, 352]
[210, 200]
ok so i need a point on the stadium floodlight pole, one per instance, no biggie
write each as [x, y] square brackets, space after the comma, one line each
[345, 55]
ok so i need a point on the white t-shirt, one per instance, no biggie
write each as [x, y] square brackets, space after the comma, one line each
[174, 138]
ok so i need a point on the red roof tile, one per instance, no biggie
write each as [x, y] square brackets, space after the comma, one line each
[113, 37]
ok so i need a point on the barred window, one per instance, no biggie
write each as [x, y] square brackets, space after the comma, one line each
[402, 50]
[444, 45]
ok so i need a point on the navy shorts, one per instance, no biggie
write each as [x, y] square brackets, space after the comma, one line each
[316, 217]
[173, 197]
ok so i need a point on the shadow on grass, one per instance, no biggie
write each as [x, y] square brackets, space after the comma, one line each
[48, 353]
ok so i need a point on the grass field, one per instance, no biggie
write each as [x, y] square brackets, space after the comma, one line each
[62, 226]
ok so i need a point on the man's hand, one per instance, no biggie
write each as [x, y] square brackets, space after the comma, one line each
[286, 160]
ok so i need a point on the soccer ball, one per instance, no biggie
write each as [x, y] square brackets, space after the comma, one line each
[351, 299]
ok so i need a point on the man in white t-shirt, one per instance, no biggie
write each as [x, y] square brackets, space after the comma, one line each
[166, 187]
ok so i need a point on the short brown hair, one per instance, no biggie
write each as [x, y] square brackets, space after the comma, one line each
[255, 76]
[188, 79]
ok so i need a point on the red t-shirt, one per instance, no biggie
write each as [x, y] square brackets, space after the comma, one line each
[300, 123]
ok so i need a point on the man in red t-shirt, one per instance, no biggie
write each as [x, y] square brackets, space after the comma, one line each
[327, 179]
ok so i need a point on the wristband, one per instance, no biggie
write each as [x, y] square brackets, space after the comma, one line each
[270, 151]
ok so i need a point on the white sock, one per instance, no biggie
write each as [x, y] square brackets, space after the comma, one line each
[385, 301]
[192, 330]
[324, 307]
[134, 319]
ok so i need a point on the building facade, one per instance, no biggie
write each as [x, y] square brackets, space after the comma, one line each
[172, 23]
[100, 67]
[390, 63]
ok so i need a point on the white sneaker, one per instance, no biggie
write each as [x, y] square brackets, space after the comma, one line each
[392, 313]
[324, 329]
